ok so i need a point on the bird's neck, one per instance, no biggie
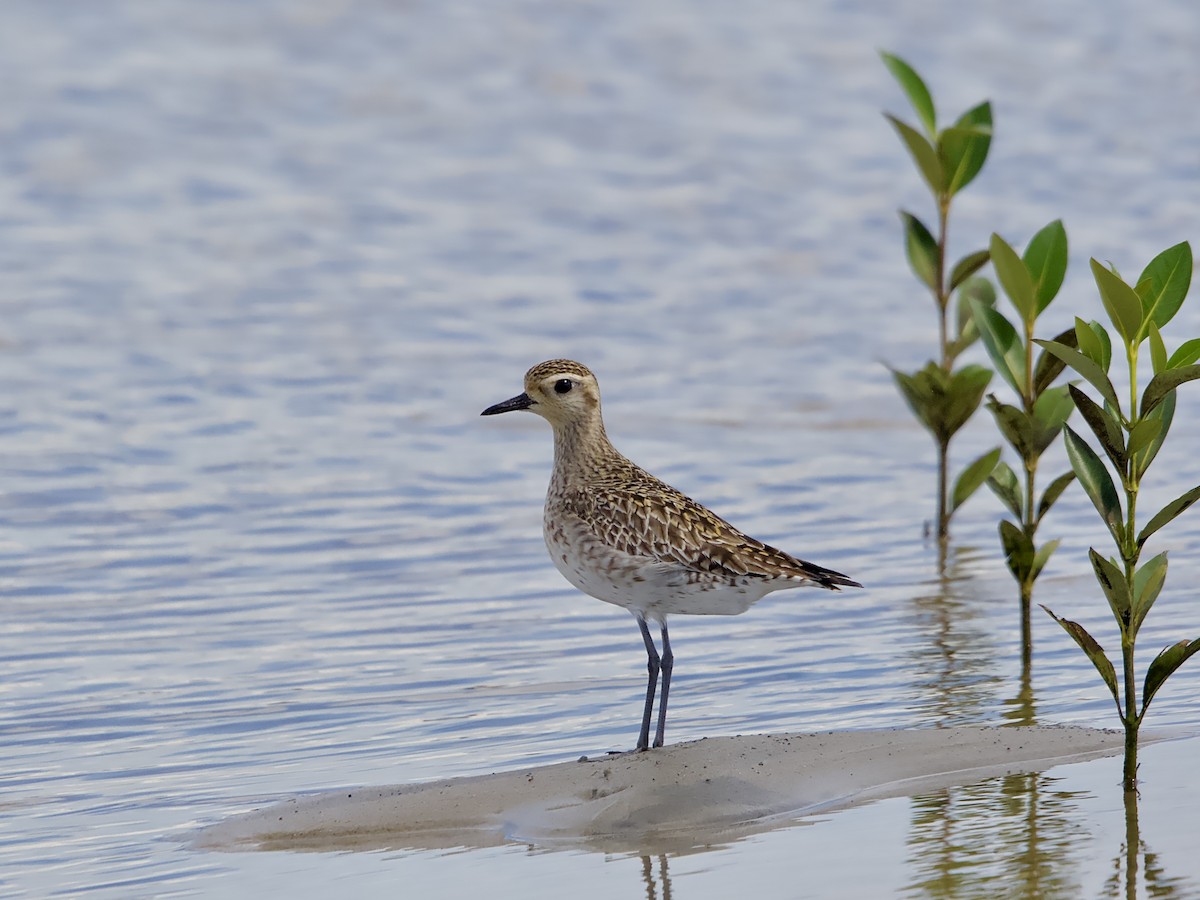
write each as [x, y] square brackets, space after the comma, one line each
[578, 448]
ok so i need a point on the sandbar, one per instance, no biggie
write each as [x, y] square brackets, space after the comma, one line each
[680, 798]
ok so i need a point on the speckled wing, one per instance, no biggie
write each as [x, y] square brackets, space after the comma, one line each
[640, 515]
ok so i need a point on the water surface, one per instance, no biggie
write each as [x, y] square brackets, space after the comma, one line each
[263, 264]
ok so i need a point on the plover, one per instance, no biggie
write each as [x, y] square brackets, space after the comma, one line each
[623, 536]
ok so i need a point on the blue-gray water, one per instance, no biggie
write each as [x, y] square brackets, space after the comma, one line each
[263, 263]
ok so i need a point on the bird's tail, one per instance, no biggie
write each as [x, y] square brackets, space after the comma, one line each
[827, 578]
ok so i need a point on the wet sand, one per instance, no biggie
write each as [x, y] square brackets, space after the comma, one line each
[678, 798]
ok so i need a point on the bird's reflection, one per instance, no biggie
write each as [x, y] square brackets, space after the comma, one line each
[658, 885]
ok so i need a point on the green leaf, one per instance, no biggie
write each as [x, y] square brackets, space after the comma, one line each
[1167, 513]
[1053, 492]
[968, 266]
[1046, 260]
[1087, 368]
[922, 250]
[1116, 588]
[1048, 366]
[1107, 430]
[1014, 424]
[1158, 350]
[963, 148]
[1165, 382]
[1018, 550]
[1092, 341]
[1098, 351]
[1105, 343]
[1096, 482]
[918, 390]
[972, 477]
[1002, 343]
[1165, 413]
[922, 153]
[1094, 652]
[1003, 483]
[1121, 302]
[966, 393]
[918, 94]
[1043, 556]
[1142, 434]
[1188, 353]
[1050, 412]
[978, 116]
[943, 401]
[1014, 278]
[1164, 665]
[974, 289]
[1148, 582]
[1166, 279]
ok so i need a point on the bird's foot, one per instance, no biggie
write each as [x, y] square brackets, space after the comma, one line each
[608, 754]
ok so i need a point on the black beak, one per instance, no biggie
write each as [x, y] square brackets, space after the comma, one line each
[521, 401]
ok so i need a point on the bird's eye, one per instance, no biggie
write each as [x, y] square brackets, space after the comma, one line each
[563, 385]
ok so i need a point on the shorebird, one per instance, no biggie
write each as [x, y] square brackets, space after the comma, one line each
[623, 536]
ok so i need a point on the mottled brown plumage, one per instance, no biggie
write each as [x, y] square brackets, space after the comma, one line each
[619, 534]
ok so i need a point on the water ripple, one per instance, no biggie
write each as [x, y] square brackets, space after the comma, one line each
[264, 265]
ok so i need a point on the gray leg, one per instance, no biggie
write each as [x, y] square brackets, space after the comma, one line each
[666, 663]
[652, 667]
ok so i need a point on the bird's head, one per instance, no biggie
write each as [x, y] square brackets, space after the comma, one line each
[561, 391]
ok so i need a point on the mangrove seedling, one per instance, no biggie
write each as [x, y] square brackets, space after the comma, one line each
[942, 397]
[1030, 282]
[1130, 436]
